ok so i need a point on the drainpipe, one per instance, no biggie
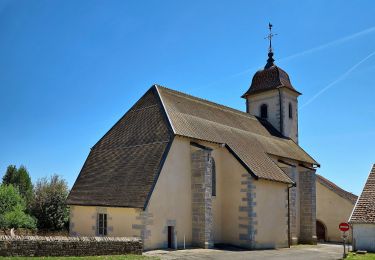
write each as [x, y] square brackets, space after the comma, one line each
[289, 238]
[281, 113]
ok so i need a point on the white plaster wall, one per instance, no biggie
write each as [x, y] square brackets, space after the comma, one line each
[271, 98]
[230, 176]
[271, 211]
[272, 214]
[364, 237]
[171, 199]
[119, 221]
[331, 210]
[290, 125]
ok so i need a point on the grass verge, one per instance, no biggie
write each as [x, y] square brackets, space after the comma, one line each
[354, 256]
[109, 257]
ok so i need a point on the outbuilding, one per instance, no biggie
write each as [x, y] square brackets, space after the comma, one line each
[363, 217]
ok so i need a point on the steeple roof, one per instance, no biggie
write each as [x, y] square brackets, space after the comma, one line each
[269, 78]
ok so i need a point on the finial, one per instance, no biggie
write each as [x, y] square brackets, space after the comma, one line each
[270, 51]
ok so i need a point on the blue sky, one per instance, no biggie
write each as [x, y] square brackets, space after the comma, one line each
[70, 69]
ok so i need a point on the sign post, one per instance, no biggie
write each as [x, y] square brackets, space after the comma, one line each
[344, 227]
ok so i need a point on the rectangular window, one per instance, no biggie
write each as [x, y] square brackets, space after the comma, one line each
[102, 224]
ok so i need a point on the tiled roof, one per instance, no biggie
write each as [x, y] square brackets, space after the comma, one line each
[364, 210]
[123, 166]
[330, 185]
[251, 138]
[268, 79]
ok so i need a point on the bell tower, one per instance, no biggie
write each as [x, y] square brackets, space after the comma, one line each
[272, 97]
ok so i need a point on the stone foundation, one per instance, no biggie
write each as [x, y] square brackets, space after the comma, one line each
[68, 246]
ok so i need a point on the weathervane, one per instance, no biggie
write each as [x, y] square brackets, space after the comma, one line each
[270, 51]
[269, 36]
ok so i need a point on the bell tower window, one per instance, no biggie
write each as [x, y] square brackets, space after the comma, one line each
[290, 111]
[264, 111]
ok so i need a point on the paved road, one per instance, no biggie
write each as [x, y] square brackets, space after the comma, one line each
[305, 252]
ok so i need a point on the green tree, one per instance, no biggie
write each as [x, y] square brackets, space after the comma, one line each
[48, 204]
[12, 209]
[17, 218]
[19, 178]
[10, 175]
[23, 182]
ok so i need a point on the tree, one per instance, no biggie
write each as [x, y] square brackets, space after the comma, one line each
[48, 205]
[10, 175]
[23, 182]
[20, 179]
[12, 209]
[19, 219]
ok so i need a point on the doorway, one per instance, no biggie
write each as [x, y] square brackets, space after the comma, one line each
[320, 231]
[170, 236]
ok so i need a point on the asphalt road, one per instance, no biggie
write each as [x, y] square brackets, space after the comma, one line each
[305, 252]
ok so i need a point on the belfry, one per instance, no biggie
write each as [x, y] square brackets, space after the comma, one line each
[272, 96]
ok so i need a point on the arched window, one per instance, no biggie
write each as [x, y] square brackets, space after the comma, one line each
[264, 111]
[290, 110]
[213, 176]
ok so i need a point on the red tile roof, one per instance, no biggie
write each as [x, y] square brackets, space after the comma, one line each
[364, 210]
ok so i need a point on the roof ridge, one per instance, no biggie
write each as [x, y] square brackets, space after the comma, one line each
[208, 102]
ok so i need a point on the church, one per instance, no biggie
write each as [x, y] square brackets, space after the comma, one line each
[180, 171]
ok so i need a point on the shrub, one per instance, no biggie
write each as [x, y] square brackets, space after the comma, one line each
[19, 219]
[48, 205]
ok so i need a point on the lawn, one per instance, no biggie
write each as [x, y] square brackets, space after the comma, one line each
[367, 256]
[114, 257]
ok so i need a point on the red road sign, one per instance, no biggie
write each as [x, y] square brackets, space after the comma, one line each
[344, 227]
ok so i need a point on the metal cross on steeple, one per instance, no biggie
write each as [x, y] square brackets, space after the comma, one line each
[269, 36]
[270, 51]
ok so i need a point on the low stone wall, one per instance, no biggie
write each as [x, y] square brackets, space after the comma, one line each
[34, 232]
[68, 246]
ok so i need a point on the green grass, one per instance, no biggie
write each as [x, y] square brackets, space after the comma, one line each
[109, 257]
[367, 256]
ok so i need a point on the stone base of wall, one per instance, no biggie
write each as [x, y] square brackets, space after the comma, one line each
[68, 246]
[294, 241]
